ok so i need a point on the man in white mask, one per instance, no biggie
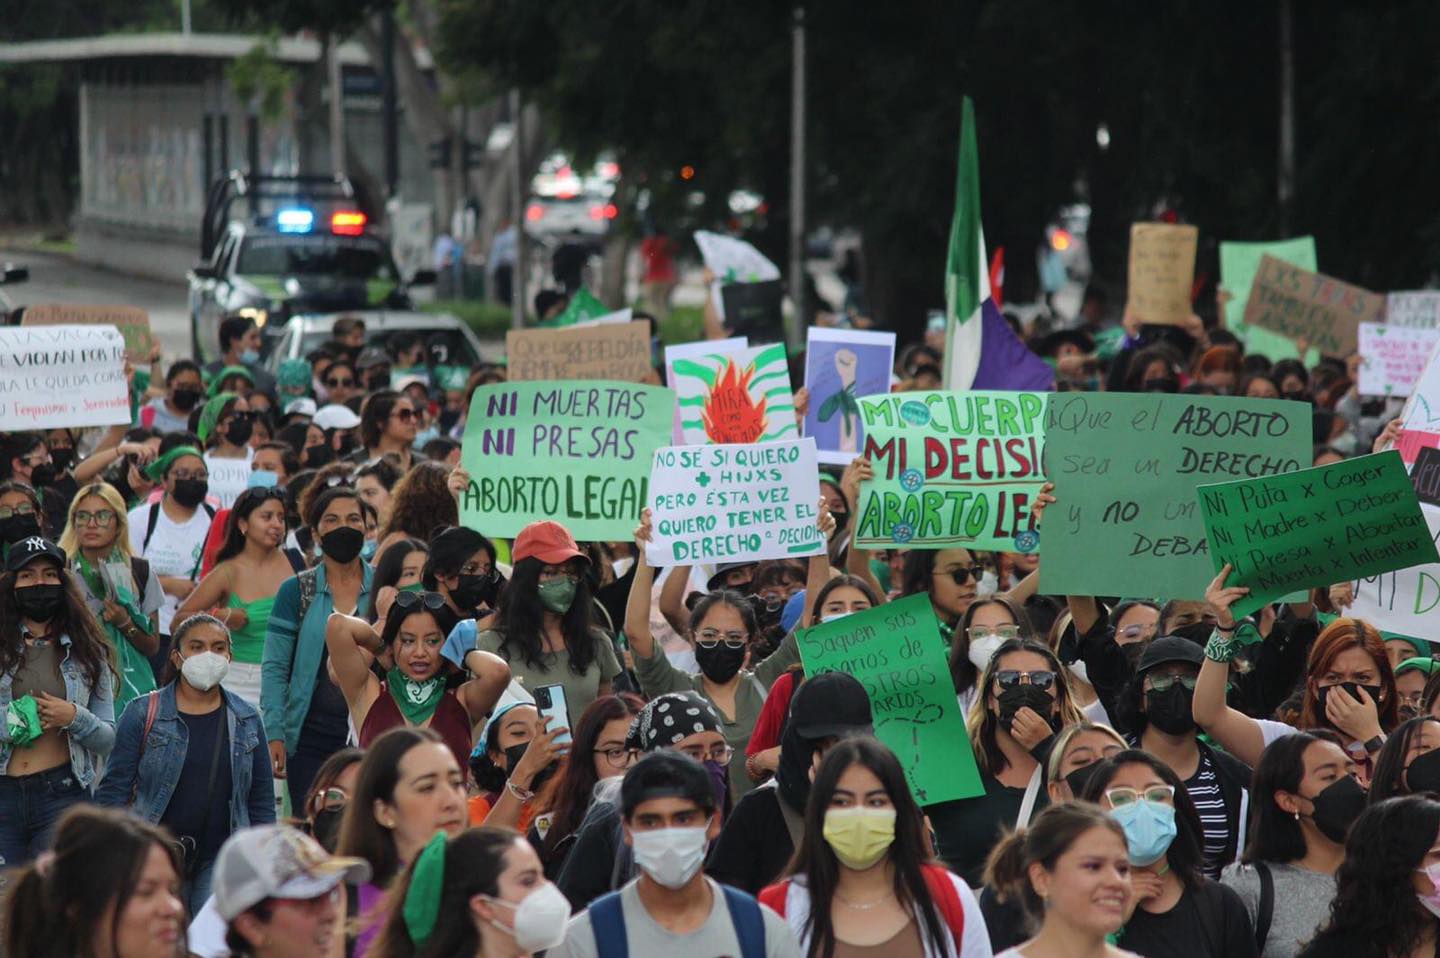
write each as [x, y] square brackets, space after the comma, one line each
[668, 807]
[191, 756]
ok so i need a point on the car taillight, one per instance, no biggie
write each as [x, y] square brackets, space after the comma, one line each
[347, 223]
[534, 212]
[597, 212]
[611, 211]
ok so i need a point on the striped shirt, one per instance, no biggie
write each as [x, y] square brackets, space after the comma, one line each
[1204, 790]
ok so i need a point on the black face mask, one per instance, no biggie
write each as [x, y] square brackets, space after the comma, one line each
[326, 828]
[62, 456]
[1423, 775]
[342, 545]
[448, 419]
[1197, 632]
[1164, 384]
[1169, 711]
[1078, 779]
[42, 475]
[1352, 689]
[720, 663]
[1133, 651]
[377, 381]
[18, 527]
[1017, 697]
[1337, 806]
[39, 603]
[317, 456]
[185, 399]
[347, 445]
[515, 753]
[841, 518]
[473, 591]
[238, 433]
[190, 492]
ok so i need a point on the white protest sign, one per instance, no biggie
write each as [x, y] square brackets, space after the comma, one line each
[53, 376]
[734, 503]
[732, 261]
[1406, 601]
[228, 478]
[1420, 419]
[1415, 309]
[1392, 359]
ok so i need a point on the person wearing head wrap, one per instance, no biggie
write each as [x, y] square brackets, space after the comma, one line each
[677, 721]
[292, 381]
[225, 380]
[226, 427]
[170, 534]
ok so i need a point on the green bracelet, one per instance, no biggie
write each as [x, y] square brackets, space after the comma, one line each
[1221, 648]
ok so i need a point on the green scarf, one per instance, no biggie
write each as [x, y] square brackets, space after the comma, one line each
[210, 415]
[155, 472]
[417, 700]
[137, 678]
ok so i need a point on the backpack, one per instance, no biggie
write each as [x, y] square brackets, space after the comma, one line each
[937, 881]
[607, 921]
[154, 520]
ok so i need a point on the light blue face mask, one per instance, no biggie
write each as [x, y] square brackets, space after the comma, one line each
[425, 435]
[263, 479]
[367, 551]
[1149, 830]
[250, 356]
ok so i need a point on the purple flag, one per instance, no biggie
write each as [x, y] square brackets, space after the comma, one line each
[1005, 362]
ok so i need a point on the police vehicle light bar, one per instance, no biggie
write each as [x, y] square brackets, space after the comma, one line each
[295, 219]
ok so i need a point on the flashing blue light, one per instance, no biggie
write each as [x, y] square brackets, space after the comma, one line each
[295, 220]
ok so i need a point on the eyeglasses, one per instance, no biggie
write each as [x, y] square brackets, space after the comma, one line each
[476, 568]
[983, 631]
[1159, 794]
[36, 460]
[340, 383]
[101, 517]
[433, 601]
[404, 415]
[24, 509]
[332, 799]
[1163, 683]
[710, 638]
[1040, 678]
[247, 416]
[962, 574]
[773, 601]
[720, 754]
[1133, 632]
[183, 474]
[616, 757]
[1412, 698]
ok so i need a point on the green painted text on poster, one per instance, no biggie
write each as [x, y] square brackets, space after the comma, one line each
[1315, 527]
[897, 653]
[576, 452]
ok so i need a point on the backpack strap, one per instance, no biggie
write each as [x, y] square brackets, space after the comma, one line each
[152, 708]
[794, 823]
[748, 921]
[947, 900]
[607, 922]
[140, 572]
[150, 525]
[1265, 911]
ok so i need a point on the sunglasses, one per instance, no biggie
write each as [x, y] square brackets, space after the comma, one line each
[433, 601]
[963, 574]
[1163, 683]
[404, 415]
[340, 383]
[1040, 679]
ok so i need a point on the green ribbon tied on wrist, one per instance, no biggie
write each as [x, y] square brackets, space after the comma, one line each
[1222, 647]
[22, 721]
[422, 898]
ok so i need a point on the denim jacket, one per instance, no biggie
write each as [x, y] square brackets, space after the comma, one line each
[91, 734]
[252, 796]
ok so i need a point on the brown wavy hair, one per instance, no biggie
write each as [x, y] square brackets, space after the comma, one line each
[422, 503]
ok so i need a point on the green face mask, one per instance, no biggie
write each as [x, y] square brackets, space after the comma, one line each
[557, 595]
[412, 587]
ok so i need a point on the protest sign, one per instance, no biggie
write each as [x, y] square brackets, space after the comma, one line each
[1414, 309]
[952, 470]
[896, 652]
[1125, 468]
[1425, 476]
[692, 351]
[133, 323]
[613, 351]
[735, 503]
[1239, 262]
[736, 396]
[619, 316]
[575, 452]
[840, 366]
[1392, 358]
[1404, 601]
[753, 310]
[228, 478]
[53, 376]
[1314, 527]
[732, 260]
[1162, 271]
[1300, 304]
[1420, 419]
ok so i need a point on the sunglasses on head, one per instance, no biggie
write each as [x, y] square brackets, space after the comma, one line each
[433, 601]
[964, 573]
[1009, 678]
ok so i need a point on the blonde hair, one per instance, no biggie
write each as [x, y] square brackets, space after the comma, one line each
[70, 540]
[1067, 735]
[983, 725]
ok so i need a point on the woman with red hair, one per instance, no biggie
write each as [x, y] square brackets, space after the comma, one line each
[1219, 368]
[1349, 687]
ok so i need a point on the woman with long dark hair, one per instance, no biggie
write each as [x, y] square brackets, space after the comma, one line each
[1387, 891]
[1177, 911]
[387, 426]
[1410, 761]
[22, 515]
[398, 569]
[863, 876]
[249, 570]
[57, 677]
[1306, 800]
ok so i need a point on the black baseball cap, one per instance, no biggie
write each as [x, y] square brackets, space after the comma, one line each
[1170, 648]
[27, 550]
[717, 581]
[831, 703]
[666, 774]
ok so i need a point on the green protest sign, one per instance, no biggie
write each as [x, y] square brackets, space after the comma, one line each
[575, 452]
[1315, 527]
[952, 470]
[1239, 262]
[897, 653]
[1125, 468]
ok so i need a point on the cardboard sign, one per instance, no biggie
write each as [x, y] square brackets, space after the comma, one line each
[52, 376]
[734, 503]
[1392, 358]
[1406, 601]
[1297, 303]
[753, 310]
[1417, 309]
[1162, 272]
[896, 652]
[612, 351]
[1239, 262]
[1125, 468]
[693, 351]
[575, 452]
[1420, 419]
[1314, 527]
[133, 323]
[952, 470]
[840, 366]
[1425, 476]
[735, 397]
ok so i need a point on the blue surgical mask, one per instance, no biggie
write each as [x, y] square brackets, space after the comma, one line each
[425, 435]
[263, 479]
[250, 356]
[367, 551]
[1149, 830]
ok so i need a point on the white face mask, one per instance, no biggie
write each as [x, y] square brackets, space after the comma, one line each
[205, 670]
[671, 856]
[989, 584]
[540, 919]
[834, 615]
[982, 650]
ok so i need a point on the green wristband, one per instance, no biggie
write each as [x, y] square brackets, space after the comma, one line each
[1220, 648]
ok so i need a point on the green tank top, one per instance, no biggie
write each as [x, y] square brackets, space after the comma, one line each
[248, 644]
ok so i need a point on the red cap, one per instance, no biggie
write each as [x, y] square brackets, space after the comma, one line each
[550, 542]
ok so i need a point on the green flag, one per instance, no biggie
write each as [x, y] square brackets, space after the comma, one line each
[582, 306]
[966, 280]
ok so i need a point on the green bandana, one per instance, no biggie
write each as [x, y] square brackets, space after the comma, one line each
[155, 472]
[417, 700]
[226, 373]
[210, 415]
[22, 721]
[293, 373]
[422, 898]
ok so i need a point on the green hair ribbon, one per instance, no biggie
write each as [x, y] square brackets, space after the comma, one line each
[422, 898]
[210, 415]
[155, 472]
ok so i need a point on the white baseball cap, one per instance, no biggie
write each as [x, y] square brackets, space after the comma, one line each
[301, 406]
[335, 416]
[277, 861]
